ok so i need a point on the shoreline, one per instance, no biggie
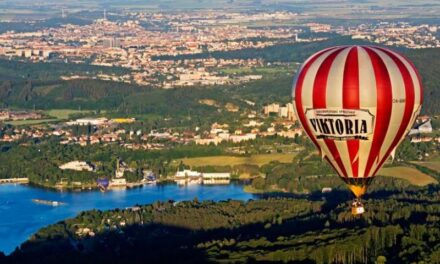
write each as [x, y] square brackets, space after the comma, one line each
[14, 180]
[93, 187]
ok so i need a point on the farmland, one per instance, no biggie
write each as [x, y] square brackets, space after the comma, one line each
[433, 165]
[412, 175]
[258, 160]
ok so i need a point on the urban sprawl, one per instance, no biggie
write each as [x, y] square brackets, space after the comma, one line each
[145, 51]
[150, 56]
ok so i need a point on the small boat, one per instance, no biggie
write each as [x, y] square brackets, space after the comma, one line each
[48, 202]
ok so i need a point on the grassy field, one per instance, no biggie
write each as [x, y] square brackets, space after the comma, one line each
[433, 165]
[412, 175]
[259, 160]
[30, 122]
[64, 113]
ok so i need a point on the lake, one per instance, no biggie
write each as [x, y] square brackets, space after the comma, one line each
[20, 217]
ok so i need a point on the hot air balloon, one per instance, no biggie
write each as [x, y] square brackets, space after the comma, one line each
[357, 103]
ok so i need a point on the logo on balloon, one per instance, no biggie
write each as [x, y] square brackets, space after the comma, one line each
[340, 124]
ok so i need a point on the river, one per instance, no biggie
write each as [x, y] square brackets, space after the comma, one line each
[20, 217]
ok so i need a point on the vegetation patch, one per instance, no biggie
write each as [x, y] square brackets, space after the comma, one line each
[412, 175]
[30, 122]
[64, 113]
[429, 164]
[258, 160]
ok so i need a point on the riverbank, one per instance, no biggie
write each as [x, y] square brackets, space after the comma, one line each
[252, 190]
[14, 180]
[86, 187]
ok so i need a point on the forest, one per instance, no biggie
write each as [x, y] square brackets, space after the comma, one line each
[15, 70]
[40, 161]
[398, 227]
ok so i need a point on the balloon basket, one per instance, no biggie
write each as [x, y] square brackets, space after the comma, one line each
[357, 208]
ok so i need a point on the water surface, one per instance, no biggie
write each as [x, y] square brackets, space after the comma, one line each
[20, 217]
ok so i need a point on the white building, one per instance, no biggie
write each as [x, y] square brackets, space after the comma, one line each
[216, 175]
[272, 108]
[287, 111]
[208, 141]
[425, 127]
[77, 166]
[253, 123]
[224, 136]
[118, 182]
[240, 138]
[86, 121]
[290, 133]
[187, 173]
[188, 177]
[326, 190]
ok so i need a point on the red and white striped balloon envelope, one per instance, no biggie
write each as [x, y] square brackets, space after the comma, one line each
[357, 103]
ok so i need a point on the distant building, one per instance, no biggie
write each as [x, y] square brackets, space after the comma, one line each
[253, 123]
[419, 139]
[204, 175]
[188, 177]
[286, 111]
[224, 136]
[422, 118]
[88, 121]
[208, 141]
[424, 127]
[216, 178]
[159, 135]
[111, 43]
[121, 167]
[4, 115]
[326, 190]
[187, 173]
[240, 138]
[271, 109]
[118, 182]
[290, 133]
[216, 175]
[19, 115]
[77, 166]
